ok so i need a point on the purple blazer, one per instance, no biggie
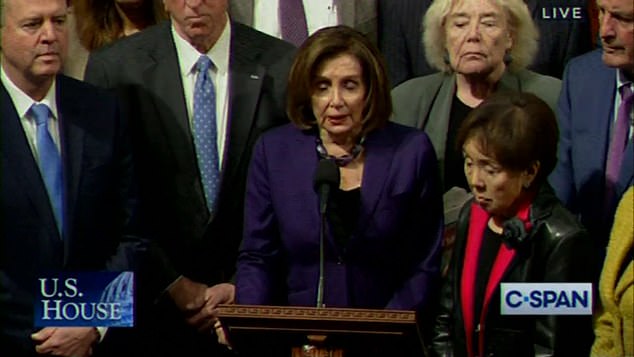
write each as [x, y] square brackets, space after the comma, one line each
[391, 261]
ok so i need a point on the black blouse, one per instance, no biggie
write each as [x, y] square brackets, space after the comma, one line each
[343, 214]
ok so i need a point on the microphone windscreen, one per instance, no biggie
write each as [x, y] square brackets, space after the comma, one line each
[327, 173]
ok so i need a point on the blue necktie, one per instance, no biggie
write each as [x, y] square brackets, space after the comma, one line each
[50, 162]
[205, 132]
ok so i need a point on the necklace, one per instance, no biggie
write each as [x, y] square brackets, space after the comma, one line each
[343, 160]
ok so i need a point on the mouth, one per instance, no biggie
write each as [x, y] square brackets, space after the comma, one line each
[473, 54]
[49, 56]
[612, 49]
[337, 118]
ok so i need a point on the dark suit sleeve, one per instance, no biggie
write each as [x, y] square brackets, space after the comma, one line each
[423, 232]
[258, 259]
[98, 72]
[132, 248]
[561, 178]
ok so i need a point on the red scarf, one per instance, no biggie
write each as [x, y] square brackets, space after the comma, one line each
[477, 224]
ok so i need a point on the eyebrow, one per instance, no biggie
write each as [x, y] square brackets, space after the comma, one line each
[465, 14]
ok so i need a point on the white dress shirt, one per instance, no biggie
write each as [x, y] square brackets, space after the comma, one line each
[22, 103]
[219, 55]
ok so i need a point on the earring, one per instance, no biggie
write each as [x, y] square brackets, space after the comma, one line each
[508, 58]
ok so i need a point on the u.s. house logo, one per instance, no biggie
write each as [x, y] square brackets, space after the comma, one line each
[85, 299]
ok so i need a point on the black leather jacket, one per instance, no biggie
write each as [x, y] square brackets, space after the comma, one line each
[558, 249]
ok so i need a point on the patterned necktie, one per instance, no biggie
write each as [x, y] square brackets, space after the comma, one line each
[619, 137]
[205, 132]
[293, 21]
[50, 162]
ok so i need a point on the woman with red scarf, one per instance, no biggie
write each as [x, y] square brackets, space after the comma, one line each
[514, 230]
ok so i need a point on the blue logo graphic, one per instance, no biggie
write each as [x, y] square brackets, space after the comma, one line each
[546, 299]
[85, 299]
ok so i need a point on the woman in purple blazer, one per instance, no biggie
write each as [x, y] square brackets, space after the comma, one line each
[384, 218]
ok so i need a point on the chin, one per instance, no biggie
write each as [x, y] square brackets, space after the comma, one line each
[617, 61]
[475, 70]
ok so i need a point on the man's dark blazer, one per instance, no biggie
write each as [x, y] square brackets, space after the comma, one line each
[401, 38]
[100, 209]
[144, 70]
[585, 113]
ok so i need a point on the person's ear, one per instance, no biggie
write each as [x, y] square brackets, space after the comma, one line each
[528, 176]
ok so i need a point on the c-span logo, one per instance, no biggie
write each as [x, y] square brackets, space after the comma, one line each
[85, 299]
[546, 299]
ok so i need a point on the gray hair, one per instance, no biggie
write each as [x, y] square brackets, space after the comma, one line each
[522, 29]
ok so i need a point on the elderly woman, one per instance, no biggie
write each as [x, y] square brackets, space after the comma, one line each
[480, 47]
[514, 230]
[384, 218]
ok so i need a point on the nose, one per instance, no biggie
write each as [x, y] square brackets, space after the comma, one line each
[474, 31]
[606, 26]
[336, 98]
[193, 3]
[474, 178]
[48, 32]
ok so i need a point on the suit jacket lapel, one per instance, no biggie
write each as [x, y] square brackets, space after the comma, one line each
[379, 151]
[72, 144]
[599, 119]
[438, 118]
[245, 83]
[163, 74]
[16, 152]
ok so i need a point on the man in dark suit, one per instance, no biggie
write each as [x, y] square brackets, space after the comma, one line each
[401, 38]
[596, 154]
[194, 202]
[66, 178]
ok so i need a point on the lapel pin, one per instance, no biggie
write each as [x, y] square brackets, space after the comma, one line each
[254, 76]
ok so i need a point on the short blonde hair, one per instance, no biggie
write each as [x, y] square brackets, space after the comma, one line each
[519, 22]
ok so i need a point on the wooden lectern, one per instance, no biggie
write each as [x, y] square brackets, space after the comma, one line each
[282, 331]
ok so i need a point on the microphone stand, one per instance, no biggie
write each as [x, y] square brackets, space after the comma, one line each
[320, 285]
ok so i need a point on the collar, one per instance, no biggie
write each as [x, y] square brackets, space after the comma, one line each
[218, 53]
[22, 102]
[621, 80]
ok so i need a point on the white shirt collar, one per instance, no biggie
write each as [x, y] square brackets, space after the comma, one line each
[22, 102]
[218, 53]
[621, 80]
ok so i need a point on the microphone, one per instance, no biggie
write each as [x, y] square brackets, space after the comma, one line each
[326, 178]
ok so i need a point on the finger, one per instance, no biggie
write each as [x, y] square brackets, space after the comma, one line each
[43, 334]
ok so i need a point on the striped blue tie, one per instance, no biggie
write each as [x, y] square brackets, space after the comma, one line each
[205, 132]
[50, 163]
